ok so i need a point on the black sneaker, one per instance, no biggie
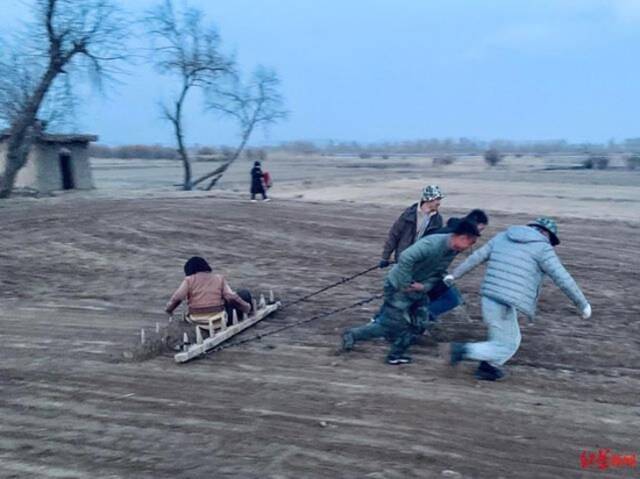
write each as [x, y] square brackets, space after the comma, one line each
[395, 360]
[457, 352]
[487, 372]
[348, 341]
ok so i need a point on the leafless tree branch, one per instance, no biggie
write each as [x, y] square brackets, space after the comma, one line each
[183, 46]
[259, 103]
[65, 37]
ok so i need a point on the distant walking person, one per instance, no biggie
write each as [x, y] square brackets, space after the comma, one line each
[518, 259]
[414, 222]
[257, 182]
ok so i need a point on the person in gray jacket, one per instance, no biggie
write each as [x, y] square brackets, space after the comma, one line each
[518, 259]
[405, 310]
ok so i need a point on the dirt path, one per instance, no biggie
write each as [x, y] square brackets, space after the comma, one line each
[80, 277]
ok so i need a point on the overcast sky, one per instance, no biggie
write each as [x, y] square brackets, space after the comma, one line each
[377, 70]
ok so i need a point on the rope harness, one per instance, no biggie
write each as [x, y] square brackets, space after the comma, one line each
[259, 336]
[338, 283]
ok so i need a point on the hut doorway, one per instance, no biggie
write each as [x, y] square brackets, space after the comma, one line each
[66, 169]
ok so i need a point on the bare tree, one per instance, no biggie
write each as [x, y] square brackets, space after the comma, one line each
[188, 49]
[66, 37]
[258, 103]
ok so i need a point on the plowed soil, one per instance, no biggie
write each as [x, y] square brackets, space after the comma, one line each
[79, 278]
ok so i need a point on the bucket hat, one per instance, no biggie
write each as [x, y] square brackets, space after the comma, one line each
[431, 192]
[549, 225]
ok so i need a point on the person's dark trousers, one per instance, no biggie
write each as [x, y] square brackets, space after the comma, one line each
[245, 294]
[264, 195]
[401, 318]
[442, 299]
[257, 188]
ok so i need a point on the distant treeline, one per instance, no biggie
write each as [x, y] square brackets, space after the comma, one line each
[433, 146]
[133, 151]
[456, 146]
[159, 152]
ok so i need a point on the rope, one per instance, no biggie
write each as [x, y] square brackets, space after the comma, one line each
[308, 320]
[326, 288]
[258, 337]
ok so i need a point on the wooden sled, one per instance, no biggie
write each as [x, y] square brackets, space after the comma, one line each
[219, 336]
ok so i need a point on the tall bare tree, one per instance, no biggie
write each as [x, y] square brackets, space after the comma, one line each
[259, 103]
[188, 49]
[65, 37]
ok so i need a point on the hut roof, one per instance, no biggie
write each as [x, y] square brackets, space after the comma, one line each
[56, 138]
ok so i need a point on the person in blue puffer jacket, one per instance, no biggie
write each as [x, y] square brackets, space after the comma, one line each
[518, 259]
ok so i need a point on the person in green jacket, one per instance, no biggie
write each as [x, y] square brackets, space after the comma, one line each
[405, 310]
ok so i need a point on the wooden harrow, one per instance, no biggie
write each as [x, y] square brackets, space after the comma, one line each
[218, 336]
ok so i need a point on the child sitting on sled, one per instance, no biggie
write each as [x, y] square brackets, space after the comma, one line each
[208, 295]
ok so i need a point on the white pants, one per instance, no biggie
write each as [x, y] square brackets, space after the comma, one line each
[504, 334]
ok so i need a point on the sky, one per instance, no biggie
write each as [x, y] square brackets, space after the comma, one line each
[392, 70]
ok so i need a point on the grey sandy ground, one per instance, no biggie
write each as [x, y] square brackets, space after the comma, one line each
[81, 277]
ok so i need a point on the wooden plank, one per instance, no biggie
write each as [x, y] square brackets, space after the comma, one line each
[208, 344]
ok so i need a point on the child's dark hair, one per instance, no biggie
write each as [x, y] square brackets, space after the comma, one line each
[466, 227]
[196, 264]
[477, 217]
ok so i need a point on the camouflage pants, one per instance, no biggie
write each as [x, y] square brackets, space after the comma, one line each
[401, 318]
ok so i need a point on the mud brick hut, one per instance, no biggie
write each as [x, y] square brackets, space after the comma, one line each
[55, 162]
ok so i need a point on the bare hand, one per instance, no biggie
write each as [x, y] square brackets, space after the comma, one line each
[415, 288]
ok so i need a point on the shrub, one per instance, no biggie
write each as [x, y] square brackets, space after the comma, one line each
[133, 151]
[226, 153]
[492, 157]
[364, 156]
[443, 160]
[602, 162]
[206, 150]
[599, 162]
[633, 161]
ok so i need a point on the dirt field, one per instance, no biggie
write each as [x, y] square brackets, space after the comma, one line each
[540, 185]
[80, 276]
